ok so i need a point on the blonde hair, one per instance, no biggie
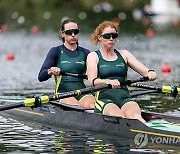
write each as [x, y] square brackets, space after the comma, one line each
[100, 28]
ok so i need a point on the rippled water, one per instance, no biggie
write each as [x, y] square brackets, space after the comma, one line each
[18, 78]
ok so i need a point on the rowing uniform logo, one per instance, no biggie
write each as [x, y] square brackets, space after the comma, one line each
[120, 65]
[101, 66]
[80, 62]
[65, 62]
[140, 140]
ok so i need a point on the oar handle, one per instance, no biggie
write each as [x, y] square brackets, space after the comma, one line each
[129, 82]
[82, 76]
[92, 89]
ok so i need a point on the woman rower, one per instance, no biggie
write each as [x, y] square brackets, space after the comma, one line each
[68, 57]
[110, 66]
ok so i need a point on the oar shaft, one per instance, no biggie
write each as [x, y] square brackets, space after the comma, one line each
[11, 106]
[37, 101]
[83, 76]
[79, 92]
[92, 89]
[74, 75]
[129, 82]
[172, 90]
[144, 86]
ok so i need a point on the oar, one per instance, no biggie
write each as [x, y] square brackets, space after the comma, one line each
[39, 100]
[135, 94]
[74, 75]
[68, 107]
[172, 90]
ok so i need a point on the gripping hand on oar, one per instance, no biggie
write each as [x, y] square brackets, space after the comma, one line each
[54, 71]
[151, 75]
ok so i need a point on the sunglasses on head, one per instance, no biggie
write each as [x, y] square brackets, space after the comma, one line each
[109, 35]
[71, 31]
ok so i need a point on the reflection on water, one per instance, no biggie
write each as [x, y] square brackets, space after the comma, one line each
[18, 78]
[17, 136]
[32, 137]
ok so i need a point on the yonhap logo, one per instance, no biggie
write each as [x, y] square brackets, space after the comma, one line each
[141, 140]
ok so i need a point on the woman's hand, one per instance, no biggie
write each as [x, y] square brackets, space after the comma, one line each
[151, 75]
[54, 71]
[115, 83]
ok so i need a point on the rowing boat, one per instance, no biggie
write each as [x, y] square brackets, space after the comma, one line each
[76, 118]
[159, 127]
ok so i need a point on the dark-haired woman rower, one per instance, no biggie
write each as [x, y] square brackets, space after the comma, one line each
[68, 57]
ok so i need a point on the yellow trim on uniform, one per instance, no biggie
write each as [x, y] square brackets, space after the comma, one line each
[98, 107]
[57, 83]
[97, 95]
[153, 133]
[85, 96]
[78, 92]
[101, 103]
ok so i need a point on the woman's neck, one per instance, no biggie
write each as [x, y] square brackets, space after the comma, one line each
[108, 54]
[107, 51]
[71, 47]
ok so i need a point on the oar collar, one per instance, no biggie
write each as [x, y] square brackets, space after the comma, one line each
[174, 91]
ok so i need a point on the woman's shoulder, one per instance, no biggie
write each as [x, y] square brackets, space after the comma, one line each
[85, 50]
[54, 51]
[55, 48]
[93, 54]
[123, 52]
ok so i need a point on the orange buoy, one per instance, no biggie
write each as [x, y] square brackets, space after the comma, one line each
[150, 32]
[166, 68]
[34, 29]
[175, 23]
[4, 28]
[10, 56]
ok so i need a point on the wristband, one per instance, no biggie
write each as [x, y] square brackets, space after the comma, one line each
[150, 70]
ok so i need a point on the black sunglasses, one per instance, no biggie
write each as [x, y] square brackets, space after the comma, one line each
[109, 35]
[71, 31]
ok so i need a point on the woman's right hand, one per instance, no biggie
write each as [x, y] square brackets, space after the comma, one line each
[115, 83]
[54, 71]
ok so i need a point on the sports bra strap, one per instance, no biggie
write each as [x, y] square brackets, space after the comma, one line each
[100, 55]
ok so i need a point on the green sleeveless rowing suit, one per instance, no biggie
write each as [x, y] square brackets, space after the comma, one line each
[116, 69]
[74, 64]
